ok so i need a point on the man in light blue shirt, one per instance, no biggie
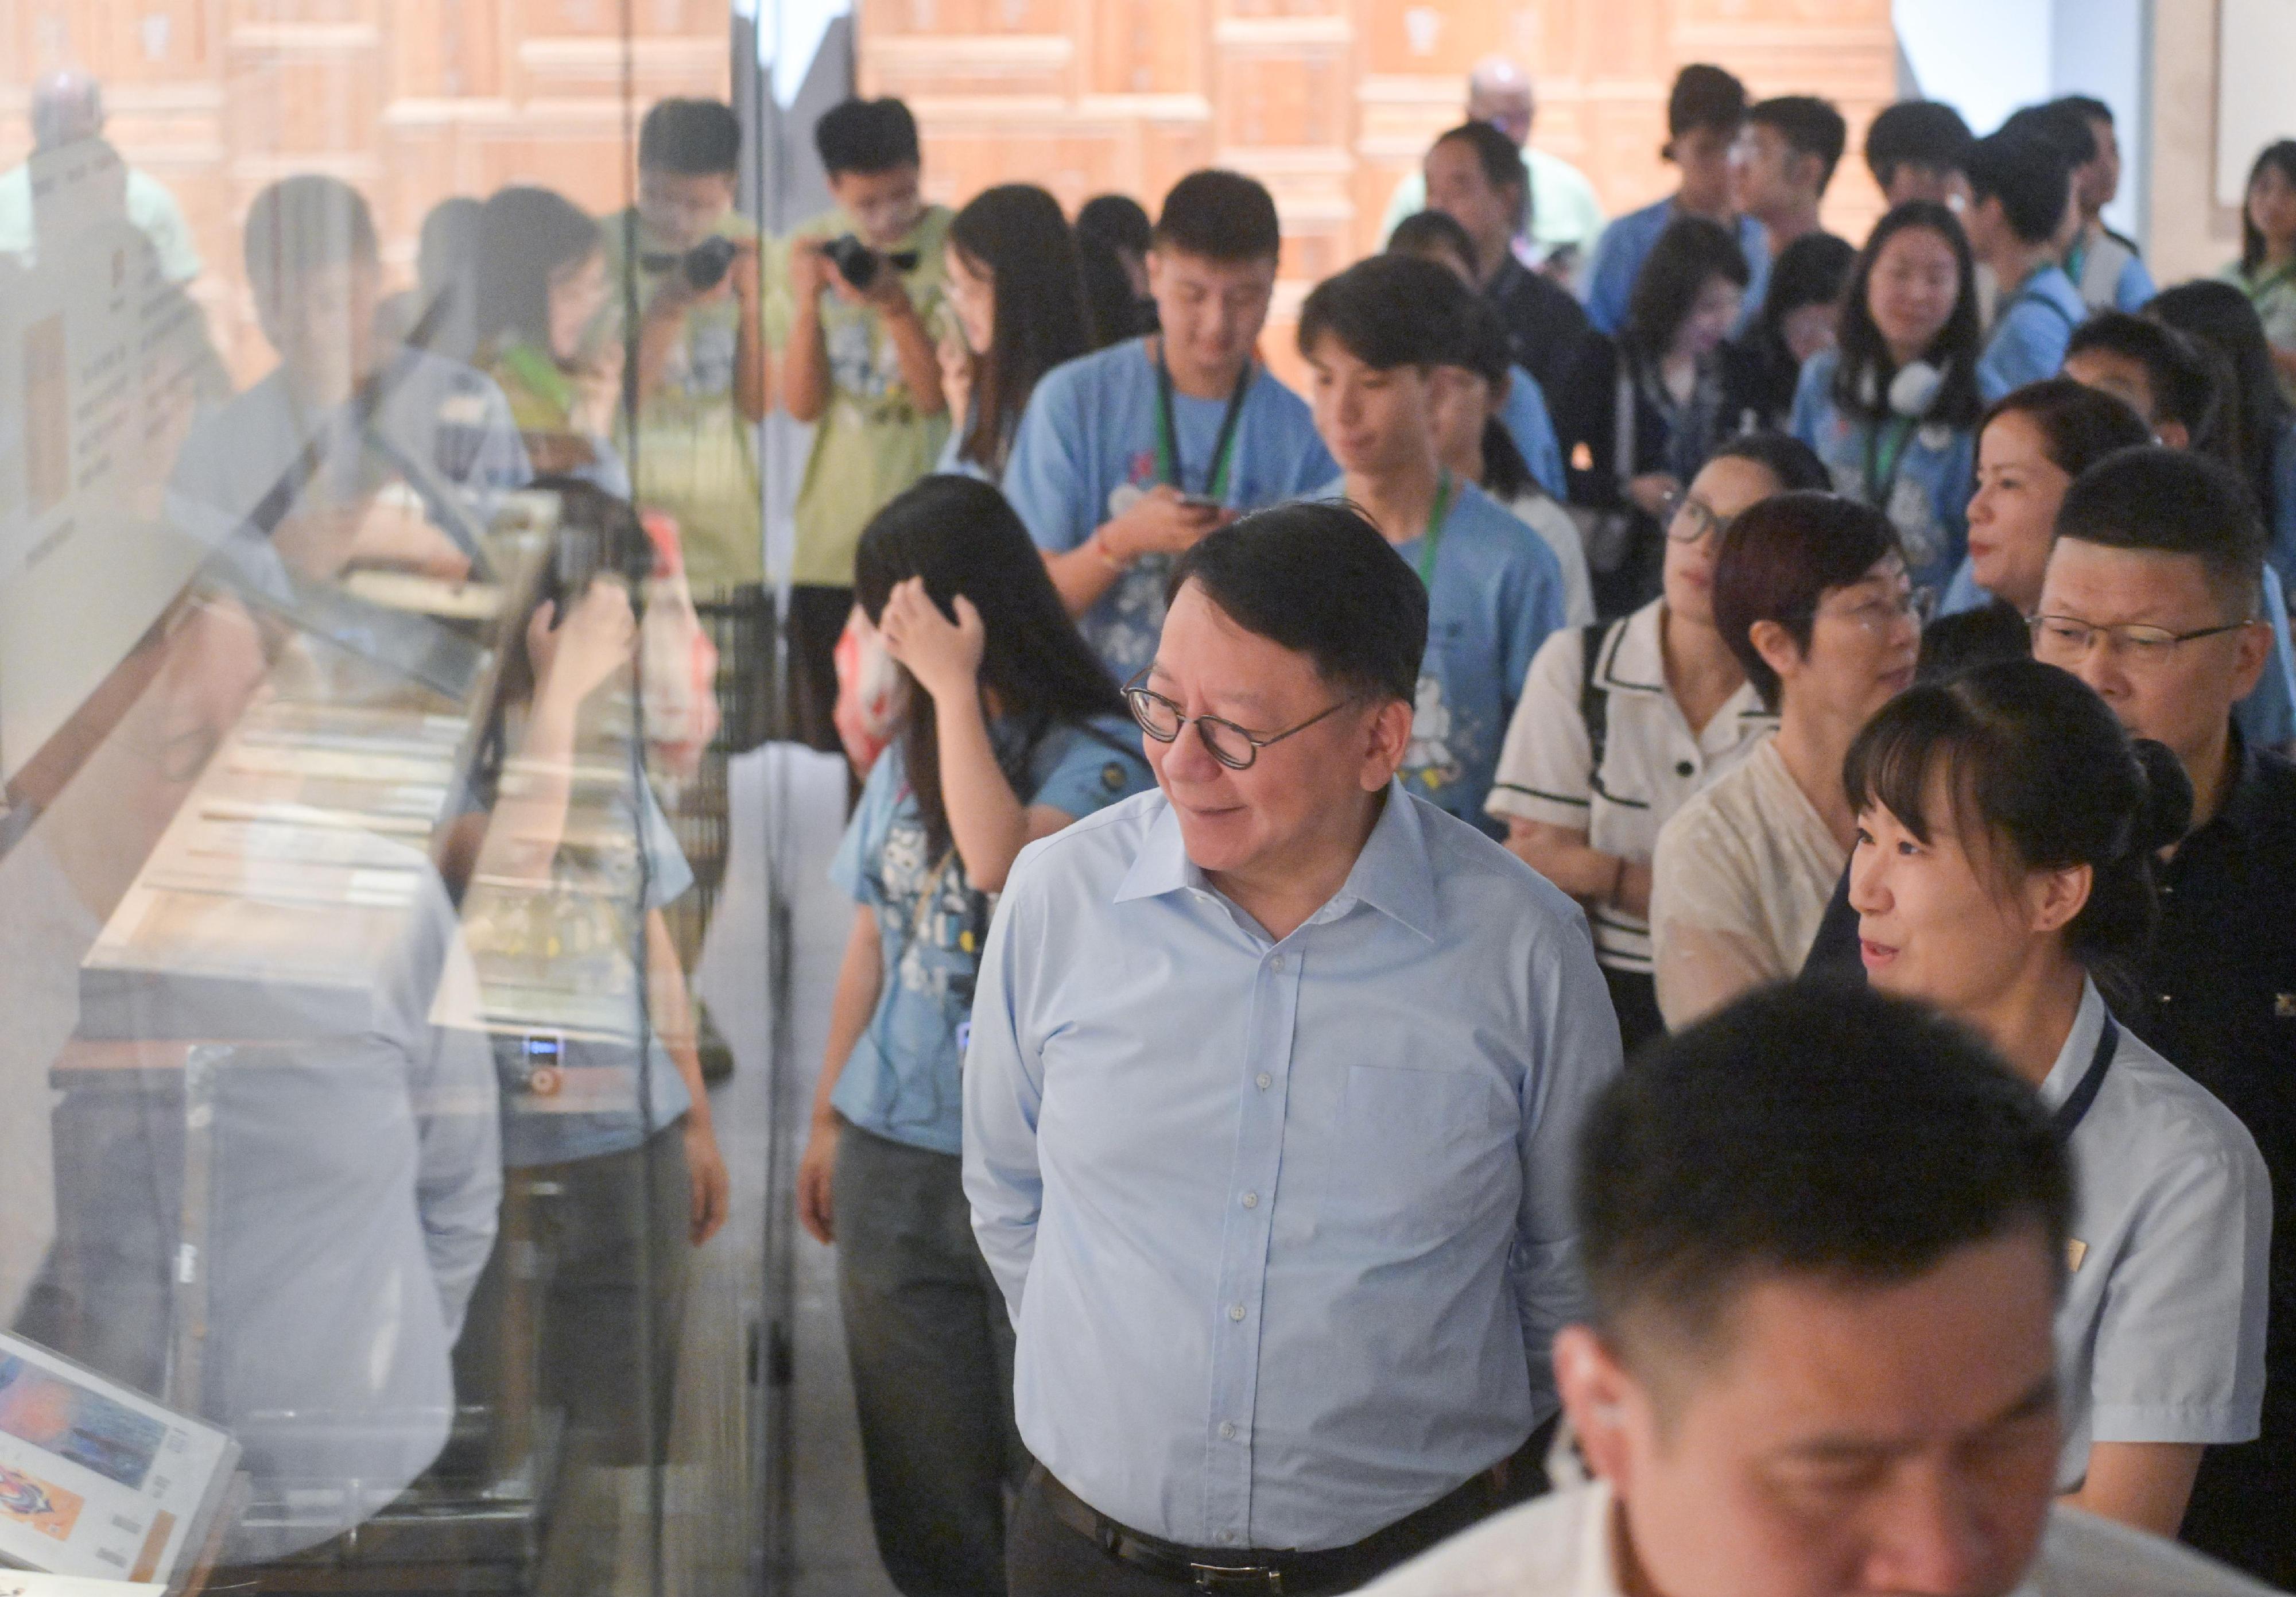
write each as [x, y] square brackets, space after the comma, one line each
[2019, 188]
[1126, 456]
[1273, 1080]
[1703, 116]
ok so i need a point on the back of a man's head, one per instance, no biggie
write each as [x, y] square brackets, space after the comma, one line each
[691, 138]
[1221, 216]
[1831, 1135]
[301, 223]
[1390, 311]
[1318, 579]
[2032, 177]
[2173, 502]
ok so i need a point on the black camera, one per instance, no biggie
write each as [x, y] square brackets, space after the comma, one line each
[704, 266]
[858, 264]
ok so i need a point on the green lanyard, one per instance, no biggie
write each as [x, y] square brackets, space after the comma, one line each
[1883, 459]
[2076, 258]
[1168, 435]
[1432, 545]
[540, 375]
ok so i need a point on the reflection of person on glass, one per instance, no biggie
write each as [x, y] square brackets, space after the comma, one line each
[637, 1173]
[397, 431]
[67, 107]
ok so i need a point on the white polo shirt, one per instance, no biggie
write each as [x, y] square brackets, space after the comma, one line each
[1564, 1545]
[2160, 1335]
[1652, 761]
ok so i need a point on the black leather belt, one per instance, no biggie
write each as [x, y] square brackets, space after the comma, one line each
[1253, 1570]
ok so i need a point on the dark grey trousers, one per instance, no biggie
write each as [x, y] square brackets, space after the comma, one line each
[932, 1348]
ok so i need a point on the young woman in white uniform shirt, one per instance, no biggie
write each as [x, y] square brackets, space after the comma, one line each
[1671, 708]
[2006, 834]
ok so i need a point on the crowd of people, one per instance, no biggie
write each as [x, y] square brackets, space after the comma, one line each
[1673, 874]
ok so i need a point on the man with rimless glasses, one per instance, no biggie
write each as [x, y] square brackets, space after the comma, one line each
[1272, 1084]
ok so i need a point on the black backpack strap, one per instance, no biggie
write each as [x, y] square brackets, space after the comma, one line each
[1593, 698]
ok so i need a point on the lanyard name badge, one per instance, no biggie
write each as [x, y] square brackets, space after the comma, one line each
[1167, 434]
[2069, 1114]
[1432, 545]
[1885, 452]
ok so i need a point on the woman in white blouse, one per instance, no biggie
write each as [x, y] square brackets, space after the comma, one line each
[2007, 831]
[1811, 594]
[1620, 724]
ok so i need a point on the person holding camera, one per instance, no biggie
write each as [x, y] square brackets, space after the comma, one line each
[701, 385]
[865, 287]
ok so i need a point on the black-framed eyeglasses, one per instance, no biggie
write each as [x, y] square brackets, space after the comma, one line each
[2066, 637]
[1687, 520]
[1224, 740]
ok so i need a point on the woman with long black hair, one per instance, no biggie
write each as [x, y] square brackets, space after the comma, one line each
[1011, 730]
[2266, 271]
[1018, 294]
[2263, 444]
[1892, 409]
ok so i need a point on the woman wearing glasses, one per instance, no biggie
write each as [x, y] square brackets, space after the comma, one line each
[2007, 829]
[1619, 724]
[1011, 730]
[1811, 594]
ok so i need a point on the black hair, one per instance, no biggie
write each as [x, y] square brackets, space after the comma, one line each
[1828, 1133]
[2029, 175]
[1425, 232]
[1118, 219]
[962, 537]
[1993, 632]
[524, 236]
[1500, 161]
[691, 138]
[2256, 415]
[867, 136]
[1317, 578]
[1221, 216]
[301, 223]
[1916, 133]
[1691, 252]
[2089, 108]
[2175, 501]
[1778, 561]
[1016, 234]
[2079, 425]
[2033, 759]
[2055, 122]
[1794, 463]
[1809, 126]
[1865, 368]
[1116, 311]
[2280, 154]
[1704, 97]
[447, 240]
[1484, 350]
[1812, 270]
[2184, 378]
[1390, 311]
[598, 535]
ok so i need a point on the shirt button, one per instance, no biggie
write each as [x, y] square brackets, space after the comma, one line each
[1251, 1201]
[1264, 1081]
[1684, 768]
[1276, 964]
[1235, 1311]
[1228, 1431]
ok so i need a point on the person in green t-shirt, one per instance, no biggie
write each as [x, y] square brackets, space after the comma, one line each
[701, 352]
[859, 362]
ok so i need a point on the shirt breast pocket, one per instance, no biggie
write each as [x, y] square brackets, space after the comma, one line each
[1421, 1155]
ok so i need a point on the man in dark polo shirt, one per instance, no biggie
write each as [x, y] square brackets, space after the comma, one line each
[2152, 599]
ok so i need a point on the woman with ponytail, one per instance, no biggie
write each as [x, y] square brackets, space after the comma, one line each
[1892, 408]
[2007, 834]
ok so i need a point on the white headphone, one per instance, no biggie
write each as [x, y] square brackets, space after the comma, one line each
[1912, 391]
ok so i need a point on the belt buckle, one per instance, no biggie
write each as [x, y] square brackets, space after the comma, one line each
[1228, 1578]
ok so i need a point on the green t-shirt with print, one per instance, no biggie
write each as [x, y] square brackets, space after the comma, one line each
[872, 441]
[691, 453]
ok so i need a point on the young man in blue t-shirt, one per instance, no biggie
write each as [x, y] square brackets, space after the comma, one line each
[1382, 338]
[1126, 457]
[2019, 188]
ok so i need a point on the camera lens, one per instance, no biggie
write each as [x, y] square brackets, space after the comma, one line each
[855, 261]
[705, 264]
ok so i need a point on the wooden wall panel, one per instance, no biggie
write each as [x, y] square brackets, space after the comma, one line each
[1331, 101]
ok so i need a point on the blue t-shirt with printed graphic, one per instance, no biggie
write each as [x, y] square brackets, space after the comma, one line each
[2030, 331]
[1496, 594]
[901, 1081]
[2267, 716]
[1927, 501]
[1087, 446]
